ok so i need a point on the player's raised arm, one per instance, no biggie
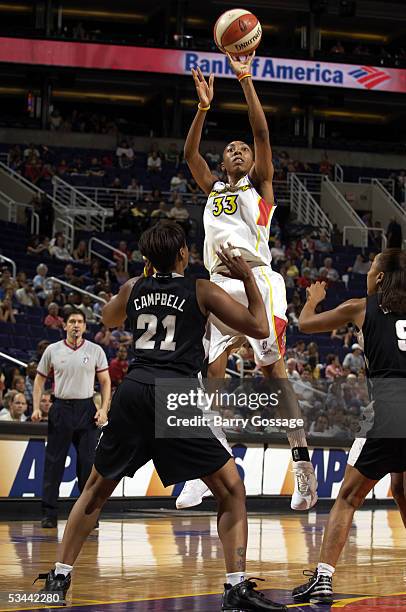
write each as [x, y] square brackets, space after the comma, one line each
[252, 320]
[196, 162]
[351, 311]
[262, 171]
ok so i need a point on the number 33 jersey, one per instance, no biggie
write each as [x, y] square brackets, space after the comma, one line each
[167, 326]
[240, 217]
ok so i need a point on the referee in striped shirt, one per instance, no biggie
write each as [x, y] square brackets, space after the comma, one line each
[73, 417]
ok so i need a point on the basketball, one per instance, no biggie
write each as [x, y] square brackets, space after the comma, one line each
[237, 32]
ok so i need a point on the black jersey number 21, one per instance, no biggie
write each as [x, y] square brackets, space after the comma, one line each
[150, 321]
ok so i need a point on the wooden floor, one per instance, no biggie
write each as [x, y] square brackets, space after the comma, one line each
[174, 563]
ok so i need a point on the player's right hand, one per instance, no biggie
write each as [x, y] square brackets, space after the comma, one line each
[205, 90]
[36, 416]
[316, 292]
[237, 267]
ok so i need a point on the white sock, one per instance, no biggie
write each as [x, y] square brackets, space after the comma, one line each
[324, 569]
[63, 568]
[235, 578]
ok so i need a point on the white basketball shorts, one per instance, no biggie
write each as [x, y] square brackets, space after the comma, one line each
[272, 288]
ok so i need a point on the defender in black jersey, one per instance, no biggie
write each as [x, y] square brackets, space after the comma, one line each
[381, 317]
[167, 314]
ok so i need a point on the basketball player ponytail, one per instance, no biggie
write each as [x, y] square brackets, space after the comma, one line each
[392, 288]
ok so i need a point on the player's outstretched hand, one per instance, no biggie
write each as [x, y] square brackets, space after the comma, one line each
[205, 90]
[241, 65]
[316, 292]
[237, 267]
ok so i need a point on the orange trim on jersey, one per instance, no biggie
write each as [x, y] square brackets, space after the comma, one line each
[280, 328]
[265, 211]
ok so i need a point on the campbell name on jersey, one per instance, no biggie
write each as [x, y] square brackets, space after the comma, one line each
[238, 216]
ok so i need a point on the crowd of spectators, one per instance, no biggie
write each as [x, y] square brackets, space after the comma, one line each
[384, 56]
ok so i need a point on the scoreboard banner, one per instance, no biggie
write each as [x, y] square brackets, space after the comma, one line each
[265, 471]
[173, 61]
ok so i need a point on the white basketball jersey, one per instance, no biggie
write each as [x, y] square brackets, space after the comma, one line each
[241, 217]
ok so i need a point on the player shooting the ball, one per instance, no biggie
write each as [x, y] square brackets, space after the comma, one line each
[239, 212]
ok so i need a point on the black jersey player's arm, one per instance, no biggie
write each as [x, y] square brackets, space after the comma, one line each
[252, 321]
[351, 311]
[262, 171]
[196, 162]
[114, 312]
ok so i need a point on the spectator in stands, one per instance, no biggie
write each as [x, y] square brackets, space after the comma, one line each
[38, 246]
[291, 370]
[14, 158]
[59, 250]
[122, 336]
[125, 155]
[343, 334]
[195, 257]
[180, 214]
[18, 383]
[97, 308]
[53, 320]
[325, 166]
[376, 236]
[45, 405]
[293, 310]
[119, 274]
[161, 212]
[291, 269]
[30, 373]
[70, 277]
[135, 190]
[122, 251]
[361, 265]
[154, 163]
[305, 279]
[80, 253]
[41, 346]
[105, 338]
[394, 235]
[321, 427]
[40, 281]
[337, 48]
[118, 366]
[31, 152]
[313, 356]
[333, 369]
[26, 295]
[62, 168]
[328, 271]
[16, 409]
[354, 361]
[86, 307]
[6, 311]
[73, 299]
[193, 187]
[178, 183]
[278, 251]
[33, 170]
[172, 154]
[96, 168]
[323, 243]
[55, 120]
[288, 280]
[56, 295]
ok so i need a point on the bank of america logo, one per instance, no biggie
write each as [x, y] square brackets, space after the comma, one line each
[369, 77]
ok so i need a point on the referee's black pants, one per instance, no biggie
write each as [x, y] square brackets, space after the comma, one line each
[69, 422]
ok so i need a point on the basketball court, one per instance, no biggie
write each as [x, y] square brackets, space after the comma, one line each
[171, 562]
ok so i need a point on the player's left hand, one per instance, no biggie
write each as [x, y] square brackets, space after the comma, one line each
[237, 267]
[316, 292]
[241, 65]
[100, 417]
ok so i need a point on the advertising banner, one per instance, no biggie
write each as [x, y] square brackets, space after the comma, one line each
[173, 61]
[266, 471]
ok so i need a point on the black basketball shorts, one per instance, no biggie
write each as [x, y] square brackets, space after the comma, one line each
[128, 441]
[376, 457]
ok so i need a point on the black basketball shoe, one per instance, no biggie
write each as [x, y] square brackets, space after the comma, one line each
[319, 589]
[244, 598]
[55, 584]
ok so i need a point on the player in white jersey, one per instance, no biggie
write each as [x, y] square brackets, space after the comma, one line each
[239, 212]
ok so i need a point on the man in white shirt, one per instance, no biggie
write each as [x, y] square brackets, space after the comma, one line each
[354, 361]
[73, 417]
[16, 409]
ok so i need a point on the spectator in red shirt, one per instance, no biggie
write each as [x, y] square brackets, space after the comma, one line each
[52, 320]
[118, 366]
[124, 250]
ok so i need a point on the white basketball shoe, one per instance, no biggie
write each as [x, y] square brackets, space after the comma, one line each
[305, 494]
[192, 494]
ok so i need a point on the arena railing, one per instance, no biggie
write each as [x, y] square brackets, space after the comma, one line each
[10, 261]
[12, 206]
[68, 230]
[305, 207]
[79, 290]
[338, 173]
[389, 196]
[389, 184]
[364, 233]
[13, 359]
[111, 248]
